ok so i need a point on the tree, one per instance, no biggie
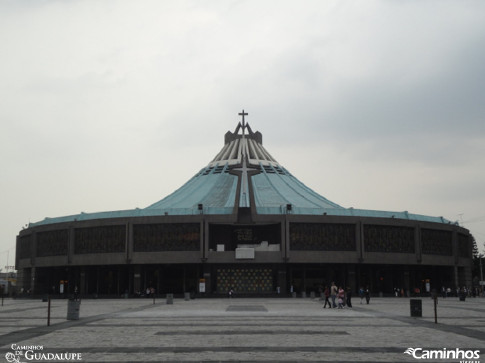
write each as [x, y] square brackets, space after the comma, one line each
[475, 252]
[476, 260]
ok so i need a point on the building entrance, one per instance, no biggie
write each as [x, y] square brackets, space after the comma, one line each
[245, 280]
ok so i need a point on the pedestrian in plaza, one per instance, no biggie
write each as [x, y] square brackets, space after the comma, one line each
[341, 298]
[361, 294]
[348, 295]
[333, 294]
[326, 293]
[367, 295]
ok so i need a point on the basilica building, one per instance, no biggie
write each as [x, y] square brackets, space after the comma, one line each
[242, 223]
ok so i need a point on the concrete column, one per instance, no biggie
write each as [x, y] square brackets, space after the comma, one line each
[82, 282]
[70, 244]
[454, 247]
[32, 284]
[351, 278]
[359, 241]
[207, 277]
[97, 280]
[17, 257]
[287, 239]
[468, 279]
[204, 240]
[407, 283]
[136, 279]
[33, 249]
[129, 242]
[418, 246]
[159, 279]
[282, 282]
[303, 288]
[208, 287]
[457, 279]
[23, 279]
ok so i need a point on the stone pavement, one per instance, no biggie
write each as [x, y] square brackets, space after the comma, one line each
[244, 329]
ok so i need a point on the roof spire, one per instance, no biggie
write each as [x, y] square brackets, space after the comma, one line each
[243, 122]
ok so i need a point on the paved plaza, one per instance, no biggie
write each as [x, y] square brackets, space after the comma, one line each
[239, 329]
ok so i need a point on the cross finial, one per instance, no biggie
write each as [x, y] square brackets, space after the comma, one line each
[243, 114]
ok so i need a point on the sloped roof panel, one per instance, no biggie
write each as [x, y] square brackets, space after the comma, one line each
[211, 190]
[274, 189]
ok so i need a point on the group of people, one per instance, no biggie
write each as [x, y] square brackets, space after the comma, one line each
[148, 292]
[463, 291]
[337, 297]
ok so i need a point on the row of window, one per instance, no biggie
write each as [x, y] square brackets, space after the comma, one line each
[186, 237]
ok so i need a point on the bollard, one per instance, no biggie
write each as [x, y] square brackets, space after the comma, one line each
[49, 311]
[169, 299]
[187, 296]
[73, 307]
[416, 306]
[293, 294]
[312, 294]
[434, 296]
[303, 294]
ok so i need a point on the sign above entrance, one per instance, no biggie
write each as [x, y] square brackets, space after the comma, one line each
[244, 253]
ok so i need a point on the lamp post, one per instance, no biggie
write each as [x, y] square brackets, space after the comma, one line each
[480, 256]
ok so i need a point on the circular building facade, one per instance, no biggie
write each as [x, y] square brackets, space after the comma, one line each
[244, 223]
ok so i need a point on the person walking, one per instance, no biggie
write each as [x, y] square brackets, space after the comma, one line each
[361, 294]
[367, 295]
[326, 294]
[333, 294]
[341, 298]
[348, 295]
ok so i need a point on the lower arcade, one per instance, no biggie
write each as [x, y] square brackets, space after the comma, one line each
[242, 279]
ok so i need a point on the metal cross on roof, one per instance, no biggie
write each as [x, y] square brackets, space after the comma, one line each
[243, 123]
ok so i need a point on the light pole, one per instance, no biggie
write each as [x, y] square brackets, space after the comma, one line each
[480, 256]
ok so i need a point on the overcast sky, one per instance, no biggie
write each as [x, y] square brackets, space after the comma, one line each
[110, 105]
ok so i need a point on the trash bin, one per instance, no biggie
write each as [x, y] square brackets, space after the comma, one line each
[170, 299]
[416, 307]
[73, 307]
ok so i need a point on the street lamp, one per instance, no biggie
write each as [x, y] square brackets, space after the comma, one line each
[480, 256]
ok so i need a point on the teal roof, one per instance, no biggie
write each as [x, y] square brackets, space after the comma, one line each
[214, 188]
[243, 172]
[276, 187]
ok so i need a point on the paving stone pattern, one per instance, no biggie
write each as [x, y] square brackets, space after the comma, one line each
[244, 329]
